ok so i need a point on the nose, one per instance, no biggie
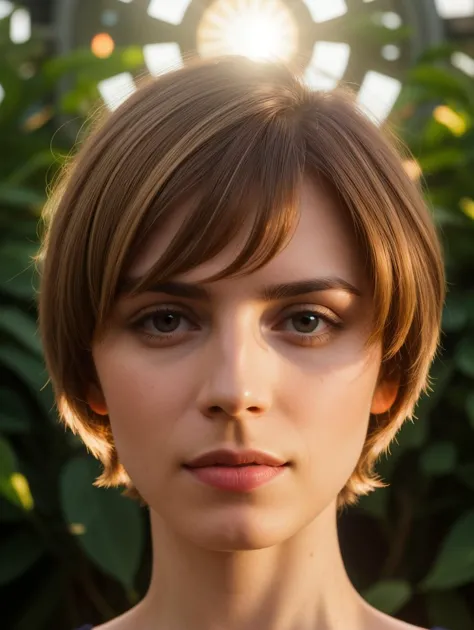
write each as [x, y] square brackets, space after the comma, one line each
[240, 377]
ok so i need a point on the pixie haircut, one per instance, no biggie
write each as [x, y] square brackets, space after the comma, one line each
[235, 138]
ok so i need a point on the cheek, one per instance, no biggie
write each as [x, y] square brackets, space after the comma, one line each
[144, 398]
[331, 411]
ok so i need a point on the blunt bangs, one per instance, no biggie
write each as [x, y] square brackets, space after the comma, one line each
[248, 181]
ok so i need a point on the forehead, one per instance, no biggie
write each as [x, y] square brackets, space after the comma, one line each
[323, 243]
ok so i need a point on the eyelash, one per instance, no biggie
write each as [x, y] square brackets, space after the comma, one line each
[310, 339]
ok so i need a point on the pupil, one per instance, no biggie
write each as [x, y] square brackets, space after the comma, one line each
[166, 322]
[306, 323]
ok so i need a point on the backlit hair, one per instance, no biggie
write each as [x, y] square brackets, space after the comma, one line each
[236, 137]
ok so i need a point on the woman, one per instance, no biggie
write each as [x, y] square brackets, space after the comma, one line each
[240, 301]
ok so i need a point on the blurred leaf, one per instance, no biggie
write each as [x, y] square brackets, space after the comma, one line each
[470, 408]
[465, 473]
[10, 512]
[438, 458]
[40, 608]
[39, 161]
[21, 327]
[8, 461]
[440, 159]
[21, 486]
[113, 531]
[438, 53]
[445, 217]
[12, 424]
[388, 595]
[375, 503]
[412, 435]
[13, 412]
[84, 61]
[469, 302]
[17, 273]
[442, 83]
[454, 565]
[449, 610]
[19, 197]
[13, 485]
[455, 314]
[465, 357]
[27, 366]
[440, 377]
[18, 552]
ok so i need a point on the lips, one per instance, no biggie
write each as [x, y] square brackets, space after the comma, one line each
[227, 457]
[236, 471]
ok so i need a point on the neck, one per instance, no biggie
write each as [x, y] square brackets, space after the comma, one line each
[300, 584]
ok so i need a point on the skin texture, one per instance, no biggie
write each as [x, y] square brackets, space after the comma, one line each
[239, 373]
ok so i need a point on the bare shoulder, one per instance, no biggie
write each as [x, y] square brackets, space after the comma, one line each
[376, 620]
[130, 620]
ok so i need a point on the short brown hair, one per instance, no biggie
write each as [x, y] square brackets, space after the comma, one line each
[226, 132]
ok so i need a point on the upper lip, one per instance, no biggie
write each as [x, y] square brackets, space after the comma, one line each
[228, 457]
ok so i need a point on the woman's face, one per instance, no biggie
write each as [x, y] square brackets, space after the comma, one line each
[195, 367]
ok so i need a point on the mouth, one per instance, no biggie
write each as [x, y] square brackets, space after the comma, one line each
[231, 458]
[236, 471]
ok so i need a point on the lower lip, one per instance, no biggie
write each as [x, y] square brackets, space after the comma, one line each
[236, 478]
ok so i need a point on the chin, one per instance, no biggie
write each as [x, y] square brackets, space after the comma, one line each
[240, 532]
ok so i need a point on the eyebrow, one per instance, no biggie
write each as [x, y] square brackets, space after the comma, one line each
[269, 293]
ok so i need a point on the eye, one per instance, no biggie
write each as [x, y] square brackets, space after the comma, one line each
[311, 327]
[164, 323]
[306, 322]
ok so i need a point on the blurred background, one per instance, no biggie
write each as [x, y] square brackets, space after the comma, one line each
[71, 553]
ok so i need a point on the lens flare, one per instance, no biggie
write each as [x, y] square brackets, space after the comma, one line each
[102, 45]
[259, 29]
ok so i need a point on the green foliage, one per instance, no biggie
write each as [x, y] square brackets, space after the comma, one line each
[59, 540]
[455, 563]
[62, 550]
[423, 523]
[389, 595]
[94, 514]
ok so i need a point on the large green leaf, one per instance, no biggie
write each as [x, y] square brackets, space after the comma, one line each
[440, 375]
[8, 466]
[39, 161]
[440, 159]
[22, 327]
[13, 485]
[413, 434]
[465, 473]
[442, 83]
[21, 196]
[375, 503]
[32, 371]
[18, 552]
[465, 357]
[389, 595]
[109, 526]
[17, 272]
[455, 315]
[439, 458]
[38, 611]
[470, 408]
[83, 61]
[27, 366]
[9, 512]
[454, 565]
[449, 610]
[13, 413]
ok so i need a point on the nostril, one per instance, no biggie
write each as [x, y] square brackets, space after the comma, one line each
[253, 409]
